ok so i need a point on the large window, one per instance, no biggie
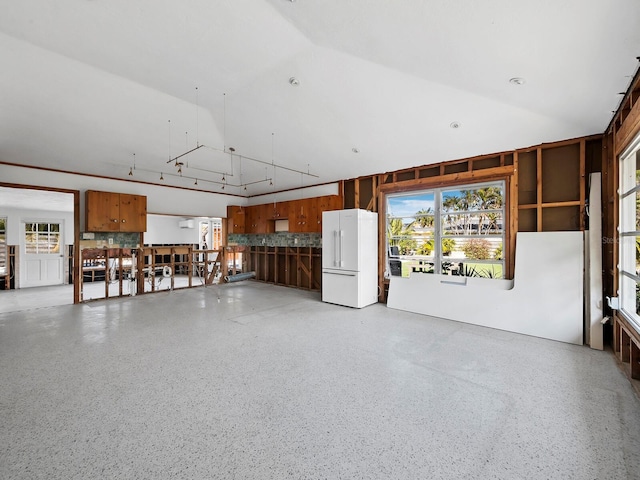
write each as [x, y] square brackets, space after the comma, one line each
[3, 245]
[42, 238]
[451, 231]
[629, 280]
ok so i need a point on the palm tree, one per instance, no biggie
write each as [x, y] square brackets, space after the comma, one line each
[401, 235]
[424, 218]
[488, 198]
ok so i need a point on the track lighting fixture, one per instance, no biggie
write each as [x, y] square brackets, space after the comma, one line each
[131, 171]
[161, 176]
[196, 182]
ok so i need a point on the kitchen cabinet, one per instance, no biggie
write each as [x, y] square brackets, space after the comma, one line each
[259, 219]
[303, 215]
[236, 219]
[306, 215]
[277, 211]
[115, 212]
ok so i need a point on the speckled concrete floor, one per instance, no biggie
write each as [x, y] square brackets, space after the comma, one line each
[252, 381]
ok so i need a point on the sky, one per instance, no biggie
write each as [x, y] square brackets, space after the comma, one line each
[408, 205]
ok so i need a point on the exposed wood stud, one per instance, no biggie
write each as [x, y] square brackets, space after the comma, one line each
[539, 188]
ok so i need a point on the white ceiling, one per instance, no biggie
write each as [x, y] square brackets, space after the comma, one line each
[38, 200]
[85, 84]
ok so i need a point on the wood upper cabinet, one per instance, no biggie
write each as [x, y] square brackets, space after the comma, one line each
[259, 219]
[115, 212]
[279, 211]
[306, 215]
[133, 213]
[236, 219]
[303, 215]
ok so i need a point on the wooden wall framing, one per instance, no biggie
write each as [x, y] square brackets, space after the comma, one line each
[623, 129]
[299, 267]
[546, 188]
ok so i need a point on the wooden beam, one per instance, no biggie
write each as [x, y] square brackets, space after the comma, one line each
[539, 188]
[488, 174]
[628, 130]
[583, 185]
[510, 248]
[382, 241]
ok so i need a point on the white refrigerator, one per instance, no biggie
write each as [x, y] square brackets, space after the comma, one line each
[350, 257]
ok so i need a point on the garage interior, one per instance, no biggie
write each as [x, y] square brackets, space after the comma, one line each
[172, 293]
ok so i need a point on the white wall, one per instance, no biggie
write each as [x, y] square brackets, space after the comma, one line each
[545, 299]
[16, 216]
[308, 192]
[165, 229]
[160, 200]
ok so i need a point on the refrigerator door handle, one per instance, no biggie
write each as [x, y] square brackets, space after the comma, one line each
[344, 274]
[335, 248]
[341, 264]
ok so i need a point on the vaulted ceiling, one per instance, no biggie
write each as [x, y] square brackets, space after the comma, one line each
[101, 87]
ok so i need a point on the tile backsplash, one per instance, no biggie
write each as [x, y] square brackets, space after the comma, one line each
[282, 239]
[120, 240]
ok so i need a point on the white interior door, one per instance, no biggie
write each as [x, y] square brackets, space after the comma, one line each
[42, 259]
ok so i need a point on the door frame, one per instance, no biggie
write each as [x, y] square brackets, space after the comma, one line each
[76, 228]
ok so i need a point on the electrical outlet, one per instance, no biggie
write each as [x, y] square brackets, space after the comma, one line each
[111, 241]
[295, 241]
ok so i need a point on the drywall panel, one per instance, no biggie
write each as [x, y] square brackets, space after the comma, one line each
[160, 200]
[165, 229]
[16, 216]
[593, 268]
[307, 192]
[545, 299]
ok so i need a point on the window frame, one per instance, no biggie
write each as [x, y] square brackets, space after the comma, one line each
[42, 235]
[436, 260]
[628, 229]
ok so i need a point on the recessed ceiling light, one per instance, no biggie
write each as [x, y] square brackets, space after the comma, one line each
[455, 125]
[355, 150]
[294, 81]
[517, 81]
[231, 149]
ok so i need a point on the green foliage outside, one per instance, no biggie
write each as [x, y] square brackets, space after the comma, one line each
[448, 244]
[401, 235]
[497, 254]
[478, 201]
[477, 248]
